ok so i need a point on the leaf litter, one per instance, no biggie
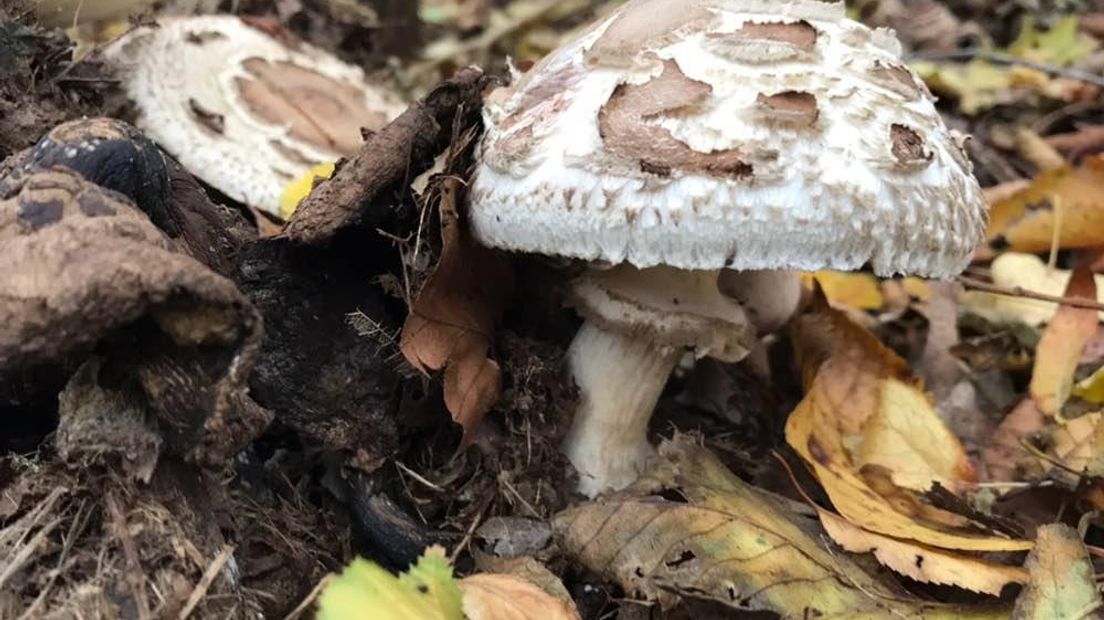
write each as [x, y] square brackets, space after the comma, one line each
[896, 479]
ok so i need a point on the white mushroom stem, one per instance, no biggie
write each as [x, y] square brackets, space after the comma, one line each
[620, 379]
[638, 322]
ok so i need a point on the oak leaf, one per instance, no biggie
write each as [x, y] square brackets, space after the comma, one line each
[451, 323]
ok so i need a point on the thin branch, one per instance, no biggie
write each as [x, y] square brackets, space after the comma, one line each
[1018, 291]
[1008, 59]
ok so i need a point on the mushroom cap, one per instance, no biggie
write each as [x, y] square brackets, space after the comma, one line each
[746, 134]
[244, 111]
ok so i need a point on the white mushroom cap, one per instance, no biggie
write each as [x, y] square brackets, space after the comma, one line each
[245, 112]
[748, 134]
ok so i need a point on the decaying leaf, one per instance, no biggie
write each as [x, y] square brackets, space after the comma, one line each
[1079, 443]
[507, 597]
[1004, 454]
[1061, 578]
[922, 563]
[1068, 196]
[723, 540]
[1027, 272]
[1060, 348]
[871, 435]
[451, 323]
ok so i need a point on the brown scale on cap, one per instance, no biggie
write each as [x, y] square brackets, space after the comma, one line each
[792, 106]
[895, 77]
[908, 146]
[800, 34]
[622, 123]
[653, 21]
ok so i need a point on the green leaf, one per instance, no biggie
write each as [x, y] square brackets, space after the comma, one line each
[366, 591]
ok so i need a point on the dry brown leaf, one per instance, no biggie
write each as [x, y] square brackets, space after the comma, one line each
[922, 563]
[726, 541]
[451, 324]
[1059, 350]
[489, 596]
[1025, 221]
[1061, 579]
[862, 415]
[1004, 455]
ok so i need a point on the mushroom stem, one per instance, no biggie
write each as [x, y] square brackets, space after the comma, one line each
[620, 378]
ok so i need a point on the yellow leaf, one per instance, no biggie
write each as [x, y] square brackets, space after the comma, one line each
[1028, 272]
[918, 288]
[506, 597]
[855, 385]
[1091, 388]
[1061, 578]
[726, 540]
[1076, 443]
[907, 437]
[365, 591]
[1025, 220]
[921, 563]
[1059, 350]
[978, 84]
[300, 188]
[855, 290]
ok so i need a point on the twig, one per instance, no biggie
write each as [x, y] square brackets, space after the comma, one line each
[135, 577]
[306, 603]
[1017, 291]
[468, 535]
[213, 569]
[1007, 59]
[415, 475]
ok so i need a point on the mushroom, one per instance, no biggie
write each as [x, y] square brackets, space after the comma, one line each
[243, 110]
[707, 149]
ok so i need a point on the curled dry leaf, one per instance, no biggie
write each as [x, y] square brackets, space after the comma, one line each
[1061, 581]
[490, 596]
[920, 562]
[1069, 196]
[726, 541]
[1059, 350]
[451, 324]
[873, 438]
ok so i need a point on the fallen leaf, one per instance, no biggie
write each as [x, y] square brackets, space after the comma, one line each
[451, 323]
[858, 393]
[1061, 578]
[1024, 222]
[1060, 348]
[508, 597]
[852, 289]
[301, 187]
[1091, 388]
[1077, 443]
[977, 85]
[922, 563]
[527, 568]
[689, 527]
[427, 591]
[1004, 456]
[1013, 270]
